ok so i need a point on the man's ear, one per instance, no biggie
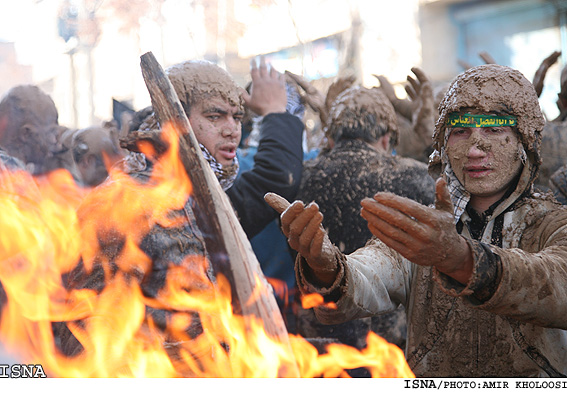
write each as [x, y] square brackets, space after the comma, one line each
[385, 142]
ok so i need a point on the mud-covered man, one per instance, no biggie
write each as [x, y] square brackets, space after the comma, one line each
[29, 128]
[483, 275]
[214, 105]
[94, 151]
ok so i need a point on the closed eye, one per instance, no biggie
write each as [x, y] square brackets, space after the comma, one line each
[496, 130]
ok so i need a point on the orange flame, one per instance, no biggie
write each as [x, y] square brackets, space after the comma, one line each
[43, 238]
[312, 300]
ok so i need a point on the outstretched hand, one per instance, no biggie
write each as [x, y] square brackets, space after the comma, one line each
[315, 99]
[302, 226]
[267, 92]
[425, 236]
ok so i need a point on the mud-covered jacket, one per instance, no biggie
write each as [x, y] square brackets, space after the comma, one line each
[515, 328]
[339, 179]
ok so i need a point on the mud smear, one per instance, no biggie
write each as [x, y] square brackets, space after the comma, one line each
[504, 156]
[196, 80]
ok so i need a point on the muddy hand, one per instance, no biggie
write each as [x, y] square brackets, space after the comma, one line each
[311, 95]
[541, 72]
[423, 119]
[336, 88]
[486, 57]
[403, 107]
[425, 236]
[302, 226]
[277, 202]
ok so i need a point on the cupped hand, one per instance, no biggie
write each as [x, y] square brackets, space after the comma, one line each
[425, 236]
[301, 225]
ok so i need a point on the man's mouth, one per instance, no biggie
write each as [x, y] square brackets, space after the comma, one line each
[477, 171]
[228, 152]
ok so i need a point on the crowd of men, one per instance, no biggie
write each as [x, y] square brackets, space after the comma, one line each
[423, 220]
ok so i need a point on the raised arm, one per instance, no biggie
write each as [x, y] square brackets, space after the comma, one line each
[420, 91]
[267, 93]
[539, 76]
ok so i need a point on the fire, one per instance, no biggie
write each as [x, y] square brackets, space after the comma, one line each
[43, 238]
[312, 300]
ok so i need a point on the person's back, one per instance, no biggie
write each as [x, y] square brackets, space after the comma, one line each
[558, 184]
[554, 140]
[339, 179]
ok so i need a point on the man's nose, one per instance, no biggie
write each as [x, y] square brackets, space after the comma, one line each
[476, 148]
[230, 128]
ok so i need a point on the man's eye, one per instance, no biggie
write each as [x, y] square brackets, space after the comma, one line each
[459, 131]
[213, 117]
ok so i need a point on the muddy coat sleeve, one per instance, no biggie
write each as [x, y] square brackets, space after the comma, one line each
[277, 168]
[372, 280]
[532, 284]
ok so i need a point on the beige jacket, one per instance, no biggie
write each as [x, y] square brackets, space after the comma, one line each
[518, 331]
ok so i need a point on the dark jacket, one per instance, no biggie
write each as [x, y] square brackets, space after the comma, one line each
[277, 168]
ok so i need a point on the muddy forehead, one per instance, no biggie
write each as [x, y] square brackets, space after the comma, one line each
[196, 80]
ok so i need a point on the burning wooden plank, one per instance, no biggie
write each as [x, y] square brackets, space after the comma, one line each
[229, 249]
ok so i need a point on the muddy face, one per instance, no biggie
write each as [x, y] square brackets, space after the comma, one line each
[496, 89]
[485, 160]
[217, 125]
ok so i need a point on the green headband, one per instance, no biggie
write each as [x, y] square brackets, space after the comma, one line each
[468, 120]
